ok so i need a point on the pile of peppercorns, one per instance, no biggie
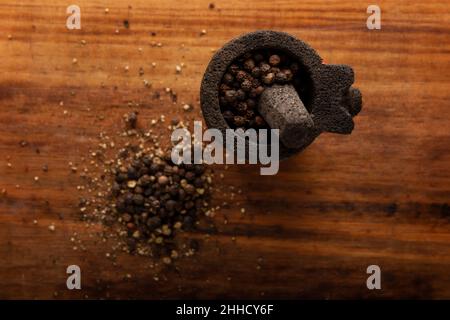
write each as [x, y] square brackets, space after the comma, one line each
[155, 199]
[246, 79]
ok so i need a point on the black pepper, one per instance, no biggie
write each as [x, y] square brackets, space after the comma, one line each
[155, 199]
[274, 60]
[245, 80]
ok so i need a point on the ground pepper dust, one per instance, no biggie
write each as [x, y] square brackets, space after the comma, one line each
[149, 205]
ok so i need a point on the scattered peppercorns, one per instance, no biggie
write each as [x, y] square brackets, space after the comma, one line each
[145, 198]
[245, 81]
[156, 199]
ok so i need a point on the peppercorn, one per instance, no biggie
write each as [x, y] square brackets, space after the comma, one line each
[246, 85]
[235, 85]
[258, 57]
[144, 180]
[154, 168]
[132, 119]
[259, 121]
[249, 64]
[240, 95]
[268, 78]
[228, 78]
[120, 203]
[165, 229]
[170, 205]
[142, 171]
[274, 70]
[131, 243]
[241, 76]
[241, 107]
[239, 121]
[115, 189]
[199, 169]
[274, 60]
[252, 93]
[294, 67]
[288, 73]
[167, 169]
[126, 217]
[198, 183]
[258, 91]
[264, 67]
[224, 88]
[128, 198]
[189, 175]
[190, 189]
[163, 180]
[132, 173]
[250, 103]
[228, 115]
[230, 96]
[153, 223]
[256, 72]
[281, 77]
[131, 183]
[121, 177]
[233, 69]
[188, 223]
[256, 83]
[189, 204]
[138, 199]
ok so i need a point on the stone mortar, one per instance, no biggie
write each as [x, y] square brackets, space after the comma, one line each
[333, 101]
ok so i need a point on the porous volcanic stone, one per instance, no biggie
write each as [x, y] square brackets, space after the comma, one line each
[282, 108]
[333, 102]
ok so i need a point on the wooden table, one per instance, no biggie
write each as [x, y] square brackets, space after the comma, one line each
[379, 196]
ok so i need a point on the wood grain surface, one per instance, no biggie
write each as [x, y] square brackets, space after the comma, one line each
[378, 196]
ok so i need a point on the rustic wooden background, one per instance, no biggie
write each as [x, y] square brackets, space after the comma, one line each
[379, 196]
